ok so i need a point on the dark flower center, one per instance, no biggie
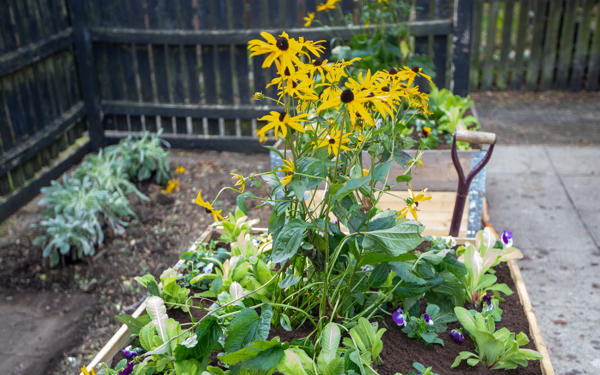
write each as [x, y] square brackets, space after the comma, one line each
[207, 211]
[318, 62]
[358, 114]
[331, 141]
[282, 43]
[287, 72]
[370, 95]
[393, 71]
[385, 88]
[416, 69]
[282, 116]
[347, 96]
[294, 84]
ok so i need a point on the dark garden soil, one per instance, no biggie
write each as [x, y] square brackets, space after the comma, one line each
[167, 224]
[399, 352]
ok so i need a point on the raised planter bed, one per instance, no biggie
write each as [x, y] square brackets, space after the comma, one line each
[121, 338]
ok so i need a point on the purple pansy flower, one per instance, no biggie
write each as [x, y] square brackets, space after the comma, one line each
[368, 267]
[398, 317]
[457, 336]
[487, 299]
[129, 354]
[128, 370]
[507, 237]
[428, 319]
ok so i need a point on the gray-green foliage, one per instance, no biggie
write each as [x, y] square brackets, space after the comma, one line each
[143, 157]
[498, 350]
[95, 196]
[76, 212]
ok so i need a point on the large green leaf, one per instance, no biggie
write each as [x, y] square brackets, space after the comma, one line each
[288, 240]
[330, 341]
[242, 330]
[394, 241]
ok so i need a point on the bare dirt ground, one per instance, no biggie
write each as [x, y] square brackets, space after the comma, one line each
[552, 117]
[56, 319]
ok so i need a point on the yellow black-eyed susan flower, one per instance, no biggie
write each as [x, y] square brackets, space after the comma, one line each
[355, 104]
[288, 170]
[180, 170]
[171, 186]
[209, 208]
[412, 203]
[334, 140]
[239, 181]
[327, 5]
[309, 19]
[279, 122]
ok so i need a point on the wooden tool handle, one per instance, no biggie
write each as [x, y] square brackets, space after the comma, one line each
[475, 137]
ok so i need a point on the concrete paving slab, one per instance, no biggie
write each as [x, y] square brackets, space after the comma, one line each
[585, 194]
[570, 161]
[537, 210]
[514, 159]
[574, 345]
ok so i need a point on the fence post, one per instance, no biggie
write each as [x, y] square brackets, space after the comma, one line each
[86, 69]
[461, 54]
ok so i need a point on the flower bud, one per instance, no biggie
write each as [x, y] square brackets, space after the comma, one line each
[258, 96]
[457, 336]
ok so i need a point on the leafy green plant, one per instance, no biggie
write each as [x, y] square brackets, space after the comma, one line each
[479, 260]
[428, 326]
[143, 157]
[496, 349]
[422, 370]
[174, 295]
[77, 210]
[448, 111]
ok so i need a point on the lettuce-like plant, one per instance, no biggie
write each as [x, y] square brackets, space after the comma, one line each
[422, 370]
[497, 350]
[479, 259]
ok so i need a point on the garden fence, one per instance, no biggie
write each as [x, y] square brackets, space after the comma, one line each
[536, 45]
[77, 74]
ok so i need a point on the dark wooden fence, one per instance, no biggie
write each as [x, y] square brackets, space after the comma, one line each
[42, 114]
[536, 45]
[183, 66]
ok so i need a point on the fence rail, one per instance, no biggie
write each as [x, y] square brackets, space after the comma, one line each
[536, 45]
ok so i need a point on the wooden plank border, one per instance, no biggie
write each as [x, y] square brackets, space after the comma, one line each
[232, 37]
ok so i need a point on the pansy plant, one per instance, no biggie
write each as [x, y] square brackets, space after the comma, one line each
[425, 327]
[479, 259]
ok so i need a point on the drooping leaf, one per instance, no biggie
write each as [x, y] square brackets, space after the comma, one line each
[394, 241]
[289, 239]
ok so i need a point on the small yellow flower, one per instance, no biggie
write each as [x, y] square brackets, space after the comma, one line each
[288, 169]
[279, 122]
[365, 172]
[209, 208]
[412, 203]
[239, 181]
[180, 170]
[427, 130]
[85, 371]
[171, 185]
[328, 5]
[335, 141]
[258, 96]
[309, 19]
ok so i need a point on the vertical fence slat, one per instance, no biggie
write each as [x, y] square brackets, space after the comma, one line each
[551, 44]
[240, 53]
[422, 11]
[518, 69]
[6, 134]
[583, 35]
[475, 72]
[440, 44]
[461, 55]
[565, 49]
[490, 45]
[257, 22]
[87, 72]
[594, 62]
[534, 65]
[507, 24]
[206, 14]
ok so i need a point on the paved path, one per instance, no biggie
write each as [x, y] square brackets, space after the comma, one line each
[549, 196]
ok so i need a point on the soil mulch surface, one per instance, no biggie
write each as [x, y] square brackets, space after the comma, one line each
[399, 352]
[167, 224]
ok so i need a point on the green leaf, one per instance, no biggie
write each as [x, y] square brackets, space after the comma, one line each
[284, 320]
[264, 324]
[351, 185]
[329, 341]
[242, 330]
[265, 360]
[381, 171]
[133, 325]
[288, 240]
[462, 356]
[394, 241]
[249, 352]
[379, 275]
[206, 339]
[295, 362]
